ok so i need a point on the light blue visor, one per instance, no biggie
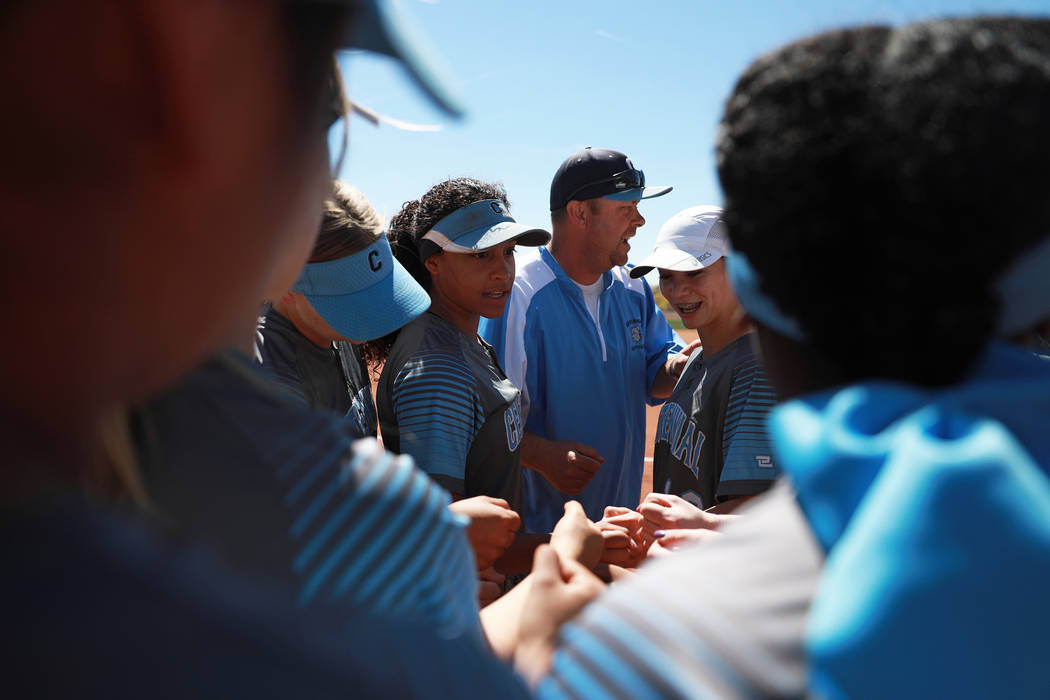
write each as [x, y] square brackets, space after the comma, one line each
[363, 296]
[480, 226]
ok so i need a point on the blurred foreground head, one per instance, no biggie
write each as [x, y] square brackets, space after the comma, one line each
[164, 160]
[881, 180]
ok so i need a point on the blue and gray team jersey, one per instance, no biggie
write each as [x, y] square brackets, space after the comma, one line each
[328, 379]
[444, 400]
[711, 439]
[582, 381]
[279, 489]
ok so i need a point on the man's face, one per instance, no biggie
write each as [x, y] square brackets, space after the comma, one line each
[609, 228]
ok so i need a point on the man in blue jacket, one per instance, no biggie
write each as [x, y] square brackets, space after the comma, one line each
[586, 344]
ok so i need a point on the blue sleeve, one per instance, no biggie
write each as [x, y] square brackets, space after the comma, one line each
[533, 391]
[438, 415]
[494, 332]
[660, 342]
[747, 451]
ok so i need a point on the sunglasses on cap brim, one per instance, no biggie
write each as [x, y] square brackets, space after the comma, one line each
[622, 181]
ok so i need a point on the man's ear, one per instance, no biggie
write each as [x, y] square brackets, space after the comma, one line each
[433, 264]
[578, 212]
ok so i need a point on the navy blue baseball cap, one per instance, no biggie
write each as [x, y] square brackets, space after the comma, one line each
[363, 296]
[380, 26]
[479, 226]
[600, 172]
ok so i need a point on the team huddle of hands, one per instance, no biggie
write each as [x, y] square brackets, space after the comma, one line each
[619, 542]
[581, 558]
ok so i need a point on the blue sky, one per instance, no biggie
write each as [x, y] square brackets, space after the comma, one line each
[542, 79]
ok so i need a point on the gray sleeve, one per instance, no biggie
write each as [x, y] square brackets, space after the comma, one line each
[721, 619]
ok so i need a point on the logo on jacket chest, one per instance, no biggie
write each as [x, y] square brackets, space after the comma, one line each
[634, 332]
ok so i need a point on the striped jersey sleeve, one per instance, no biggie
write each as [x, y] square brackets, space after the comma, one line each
[747, 451]
[438, 413]
[372, 530]
[281, 490]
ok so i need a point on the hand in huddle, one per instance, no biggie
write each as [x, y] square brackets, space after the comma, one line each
[623, 537]
[664, 511]
[492, 526]
[577, 538]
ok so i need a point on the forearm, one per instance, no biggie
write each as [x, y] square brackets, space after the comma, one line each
[663, 383]
[535, 452]
[517, 559]
[611, 573]
[501, 619]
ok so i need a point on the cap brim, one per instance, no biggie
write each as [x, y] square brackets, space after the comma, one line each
[491, 236]
[671, 259]
[638, 193]
[380, 26]
[375, 311]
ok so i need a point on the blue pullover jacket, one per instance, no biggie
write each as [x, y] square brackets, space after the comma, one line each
[581, 381]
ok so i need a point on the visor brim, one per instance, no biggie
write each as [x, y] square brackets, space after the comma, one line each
[492, 236]
[671, 259]
[375, 311]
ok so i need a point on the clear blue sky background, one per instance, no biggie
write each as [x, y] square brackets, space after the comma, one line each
[543, 78]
